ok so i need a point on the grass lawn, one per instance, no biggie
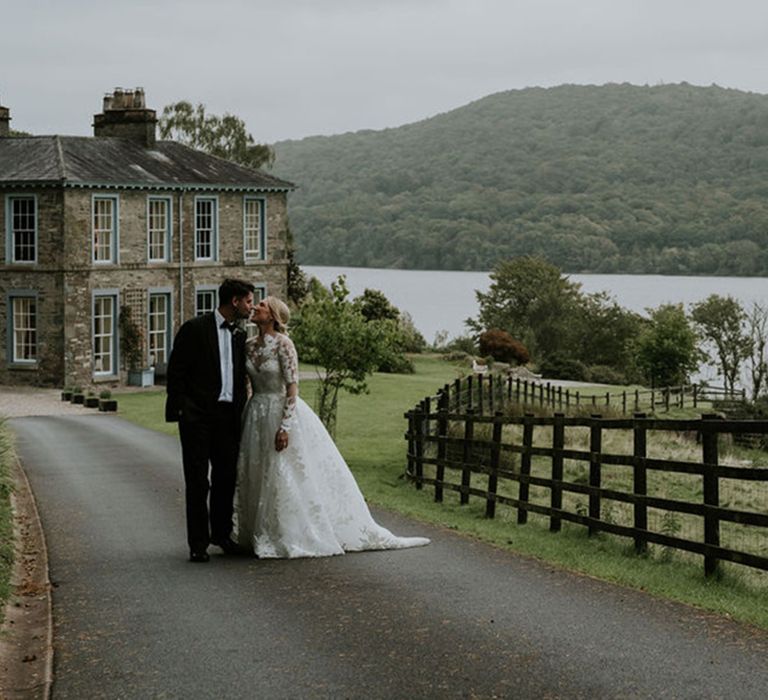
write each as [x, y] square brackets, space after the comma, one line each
[6, 516]
[370, 431]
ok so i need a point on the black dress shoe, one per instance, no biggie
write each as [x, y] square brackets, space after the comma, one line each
[229, 546]
[199, 557]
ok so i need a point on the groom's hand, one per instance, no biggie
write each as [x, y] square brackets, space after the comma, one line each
[281, 440]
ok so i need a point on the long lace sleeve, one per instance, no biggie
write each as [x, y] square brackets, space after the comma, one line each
[289, 366]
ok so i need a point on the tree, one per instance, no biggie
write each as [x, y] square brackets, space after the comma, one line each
[721, 321]
[605, 332]
[298, 285]
[225, 137]
[532, 300]
[666, 350]
[332, 332]
[375, 306]
[757, 324]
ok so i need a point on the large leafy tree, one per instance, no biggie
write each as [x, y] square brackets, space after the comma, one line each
[666, 350]
[605, 332]
[721, 321]
[225, 137]
[532, 300]
[332, 332]
[757, 325]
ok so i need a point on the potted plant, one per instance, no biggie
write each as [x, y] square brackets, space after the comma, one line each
[132, 349]
[106, 402]
[77, 395]
[91, 400]
[66, 393]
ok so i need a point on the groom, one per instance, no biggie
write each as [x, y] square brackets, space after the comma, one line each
[206, 394]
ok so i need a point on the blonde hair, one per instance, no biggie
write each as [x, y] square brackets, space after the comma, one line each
[280, 313]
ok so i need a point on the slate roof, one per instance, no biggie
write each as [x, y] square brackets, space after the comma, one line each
[87, 161]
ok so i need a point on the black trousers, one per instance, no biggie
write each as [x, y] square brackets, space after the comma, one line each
[213, 442]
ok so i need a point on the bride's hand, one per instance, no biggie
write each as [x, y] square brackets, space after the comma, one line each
[281, 440]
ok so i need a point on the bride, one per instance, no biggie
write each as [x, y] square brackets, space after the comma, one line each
[296, 495]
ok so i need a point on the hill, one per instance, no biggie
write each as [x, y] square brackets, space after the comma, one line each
[670, 179]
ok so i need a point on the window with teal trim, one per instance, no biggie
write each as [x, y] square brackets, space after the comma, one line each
[205, 228]
[104, 334]
[104, 227]
[253, 228]
[23, 323]
[22, 229]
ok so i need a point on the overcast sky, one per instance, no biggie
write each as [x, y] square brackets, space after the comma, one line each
[296, 68]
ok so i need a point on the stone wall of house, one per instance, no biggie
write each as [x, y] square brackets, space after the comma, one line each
[65, 278]
[43, 278]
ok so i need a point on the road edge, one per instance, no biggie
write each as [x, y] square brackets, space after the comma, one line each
[26, 635]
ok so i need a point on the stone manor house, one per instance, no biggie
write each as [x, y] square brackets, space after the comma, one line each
[94, 225]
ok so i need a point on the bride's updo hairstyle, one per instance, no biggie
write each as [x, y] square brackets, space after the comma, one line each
[280, 312]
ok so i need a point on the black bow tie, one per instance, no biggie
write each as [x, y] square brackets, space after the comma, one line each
[231, 327]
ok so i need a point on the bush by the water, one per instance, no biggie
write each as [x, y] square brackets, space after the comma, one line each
[501, 346]
[602, 374]
[559, 366]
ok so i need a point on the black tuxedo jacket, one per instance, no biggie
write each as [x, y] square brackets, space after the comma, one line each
[194, 371]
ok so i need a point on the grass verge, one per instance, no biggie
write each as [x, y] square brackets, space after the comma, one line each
[370, 435]
[6, 516]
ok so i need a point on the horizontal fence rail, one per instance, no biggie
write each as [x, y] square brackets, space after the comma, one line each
[566, 469]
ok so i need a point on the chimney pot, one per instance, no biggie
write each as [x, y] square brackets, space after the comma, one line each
[125, 115]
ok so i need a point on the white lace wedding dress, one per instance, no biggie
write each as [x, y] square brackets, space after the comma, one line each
[302, 501]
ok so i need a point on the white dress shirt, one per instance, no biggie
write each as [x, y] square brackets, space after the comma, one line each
[225, 357]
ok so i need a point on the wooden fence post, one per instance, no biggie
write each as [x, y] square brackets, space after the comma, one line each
[427, 411]
[709, 439]
[525, 391]
[666, 399]
[637, 399]
[480, 393]
[457, 395]
[410, 468]
[556, 495]
[595, 446]
[442, 434]
[418, 425]
[567, 398]
[493, 475]
[466, 469]
[490, 393]
[640, 478]
[469, 391]
[695, 395]
[624, 401]
[509, 389]
[525, 467]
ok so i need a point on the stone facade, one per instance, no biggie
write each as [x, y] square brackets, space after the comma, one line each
[65, 279]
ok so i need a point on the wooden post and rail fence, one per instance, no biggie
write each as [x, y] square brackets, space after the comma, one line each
[460, 441]
[487, 392]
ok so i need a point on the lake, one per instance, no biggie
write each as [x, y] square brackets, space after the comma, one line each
[442, 300]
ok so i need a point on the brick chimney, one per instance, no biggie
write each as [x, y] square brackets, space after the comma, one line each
[125, 115]
[5, 121]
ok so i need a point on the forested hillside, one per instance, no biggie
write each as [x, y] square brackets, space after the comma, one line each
[619, 178]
